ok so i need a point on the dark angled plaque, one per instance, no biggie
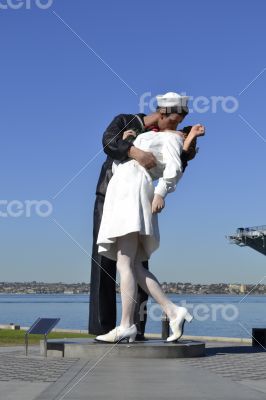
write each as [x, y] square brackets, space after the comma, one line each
[42, 326]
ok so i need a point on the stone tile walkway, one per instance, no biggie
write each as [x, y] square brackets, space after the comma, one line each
[237, 363]
[14, 365]
[228, 372]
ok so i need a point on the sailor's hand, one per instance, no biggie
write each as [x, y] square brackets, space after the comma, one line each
[198, 130]
[129, 133]
[157, 204]
[144, 158]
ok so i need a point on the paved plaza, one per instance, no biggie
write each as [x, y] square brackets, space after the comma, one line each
[229, 371]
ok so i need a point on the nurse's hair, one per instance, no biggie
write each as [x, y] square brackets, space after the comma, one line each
[193, 149]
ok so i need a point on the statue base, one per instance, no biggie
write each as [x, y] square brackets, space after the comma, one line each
[153, 348]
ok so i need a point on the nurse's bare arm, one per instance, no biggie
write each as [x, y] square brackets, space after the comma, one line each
[196, 131]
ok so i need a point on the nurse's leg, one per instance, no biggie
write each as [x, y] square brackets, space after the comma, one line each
[126, 253]
[150, 284]
[140, 314]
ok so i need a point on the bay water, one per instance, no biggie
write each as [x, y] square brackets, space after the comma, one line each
[214, 315]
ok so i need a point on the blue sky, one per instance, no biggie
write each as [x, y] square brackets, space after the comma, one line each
[67, 70]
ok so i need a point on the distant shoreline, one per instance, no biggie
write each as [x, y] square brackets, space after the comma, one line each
[178, 294]
[179, 288]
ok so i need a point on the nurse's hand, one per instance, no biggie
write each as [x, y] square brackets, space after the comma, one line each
[198, 130]
[128, 134]
[144, 158]
[157, 204]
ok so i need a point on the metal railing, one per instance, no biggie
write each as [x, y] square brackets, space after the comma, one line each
[252, 232]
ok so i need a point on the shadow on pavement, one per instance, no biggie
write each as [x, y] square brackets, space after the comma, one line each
[233, 350]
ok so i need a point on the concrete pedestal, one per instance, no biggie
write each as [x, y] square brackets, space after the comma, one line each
[88, 349]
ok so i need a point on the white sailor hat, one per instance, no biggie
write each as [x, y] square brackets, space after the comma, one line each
[173, 101]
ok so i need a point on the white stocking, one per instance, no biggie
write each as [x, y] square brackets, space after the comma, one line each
[126, 252]
[148, 282]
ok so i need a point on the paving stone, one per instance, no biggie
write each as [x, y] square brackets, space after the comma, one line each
[17, 367]
[235, 366]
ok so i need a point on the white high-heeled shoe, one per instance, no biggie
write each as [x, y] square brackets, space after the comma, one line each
[177, 325]
[119, 334]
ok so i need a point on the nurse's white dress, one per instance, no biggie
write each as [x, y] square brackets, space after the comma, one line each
[127, 205]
